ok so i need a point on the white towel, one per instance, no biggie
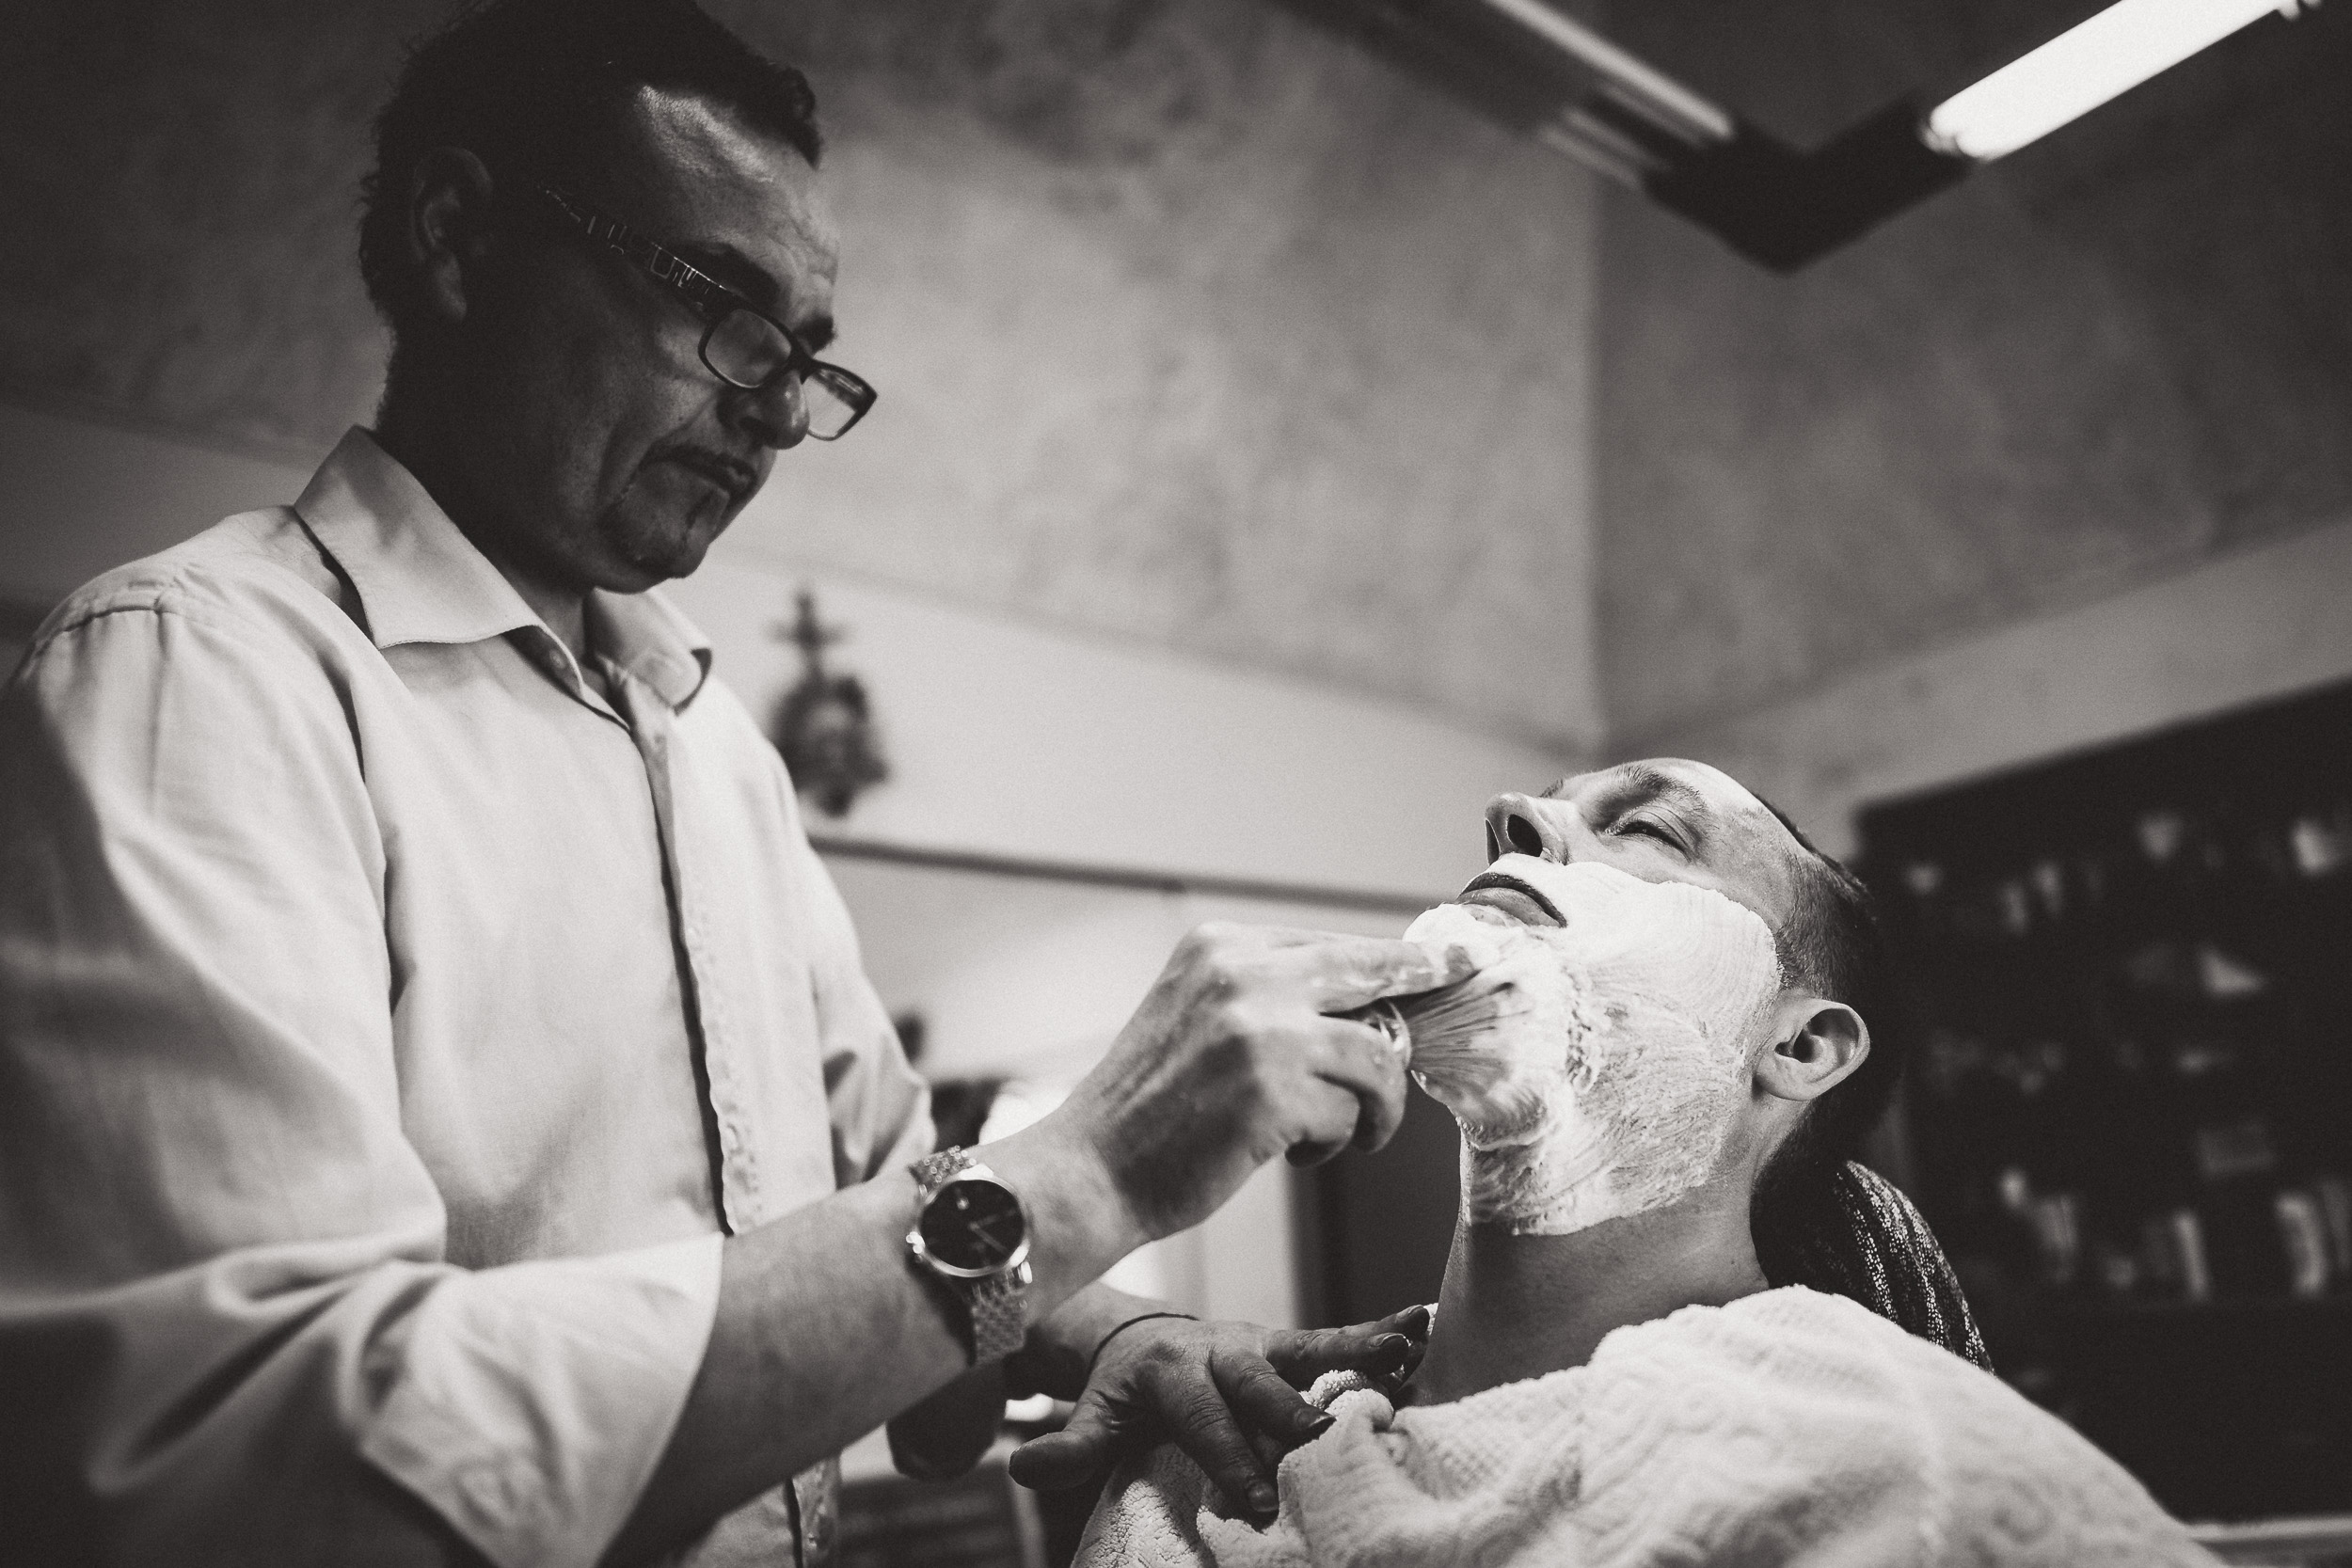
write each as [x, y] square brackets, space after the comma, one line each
[1788, 1428]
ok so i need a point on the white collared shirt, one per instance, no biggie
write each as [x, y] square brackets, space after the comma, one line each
[390, 1027]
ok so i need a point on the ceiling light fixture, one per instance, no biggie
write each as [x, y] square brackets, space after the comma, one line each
[1597, 101]
[2082, 67]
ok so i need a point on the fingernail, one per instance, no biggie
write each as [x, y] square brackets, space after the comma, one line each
[1392, 1345]
[1417, 1323]
[1318, 1423]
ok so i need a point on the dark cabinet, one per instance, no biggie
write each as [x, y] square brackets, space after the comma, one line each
[2130, 1109]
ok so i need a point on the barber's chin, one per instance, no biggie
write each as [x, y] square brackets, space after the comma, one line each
[661, 545]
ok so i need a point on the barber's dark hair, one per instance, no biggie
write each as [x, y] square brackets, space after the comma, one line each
[534, 86]
[1820, 1218]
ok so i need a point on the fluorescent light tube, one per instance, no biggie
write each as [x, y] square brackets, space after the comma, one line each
[2082, 67]
[1681, 110]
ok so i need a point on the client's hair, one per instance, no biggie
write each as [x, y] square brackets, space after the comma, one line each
[1821, 1218]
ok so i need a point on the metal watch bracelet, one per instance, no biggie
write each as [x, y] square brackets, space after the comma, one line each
[996, 1308]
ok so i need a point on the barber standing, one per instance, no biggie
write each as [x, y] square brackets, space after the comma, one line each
[442, 1116]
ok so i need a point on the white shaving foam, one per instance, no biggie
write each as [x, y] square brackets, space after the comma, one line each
[1593, 1067]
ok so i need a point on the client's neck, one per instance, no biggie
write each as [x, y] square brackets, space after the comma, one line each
[1518, 1307]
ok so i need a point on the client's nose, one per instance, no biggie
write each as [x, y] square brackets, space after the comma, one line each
[1516, 825]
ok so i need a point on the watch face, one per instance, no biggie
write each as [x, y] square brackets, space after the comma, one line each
[974, 1225]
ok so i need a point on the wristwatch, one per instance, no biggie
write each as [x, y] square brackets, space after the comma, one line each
[971, 1232]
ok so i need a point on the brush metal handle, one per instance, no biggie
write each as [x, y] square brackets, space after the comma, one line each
[1387, 1017]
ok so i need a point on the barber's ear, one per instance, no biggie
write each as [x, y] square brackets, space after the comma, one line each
[1817, 1046]
[449, 228]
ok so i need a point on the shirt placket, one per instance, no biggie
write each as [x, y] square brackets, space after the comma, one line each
[709, 1023]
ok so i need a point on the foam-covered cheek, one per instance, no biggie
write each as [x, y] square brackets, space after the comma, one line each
[1593, 1067]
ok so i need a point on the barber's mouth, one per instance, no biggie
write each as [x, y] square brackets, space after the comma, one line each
[1503, 892]
[738, 479]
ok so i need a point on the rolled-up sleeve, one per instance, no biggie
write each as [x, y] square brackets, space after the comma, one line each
[225, 1308]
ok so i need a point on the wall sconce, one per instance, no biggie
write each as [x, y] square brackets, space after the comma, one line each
[1768, 200]
[824, 725]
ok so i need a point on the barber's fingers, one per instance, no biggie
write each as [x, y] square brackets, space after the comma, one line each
[1337, 972]
[1269, 1451]
[1388, 1347]
[1273, 1418]
[1056, 1461]
[1076, 1454]
[1352, 1091]
[1263, 1400]
[1367, 1062]
[1325, 1120]
[1340, 974]
[1296, 936]
[1203, 1425]
[1172, 1397]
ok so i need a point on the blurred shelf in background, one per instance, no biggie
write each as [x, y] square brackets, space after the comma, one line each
[2130, 1110]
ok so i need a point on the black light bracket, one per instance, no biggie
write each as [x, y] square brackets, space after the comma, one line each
[1783, 208]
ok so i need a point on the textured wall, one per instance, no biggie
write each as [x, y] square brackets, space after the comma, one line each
[1004, 736]
[1192, 325]
[2100, 362]
[177, 197]
[2252, 626]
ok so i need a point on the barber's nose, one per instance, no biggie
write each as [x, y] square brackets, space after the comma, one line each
[1516, 825]
[778, 412]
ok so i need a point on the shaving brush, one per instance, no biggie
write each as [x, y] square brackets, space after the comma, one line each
[1493, 1048]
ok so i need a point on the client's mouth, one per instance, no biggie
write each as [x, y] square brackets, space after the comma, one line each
[1506, 893]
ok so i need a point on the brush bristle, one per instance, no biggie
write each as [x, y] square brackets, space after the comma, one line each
[1490, 1053]
[1456, 1020]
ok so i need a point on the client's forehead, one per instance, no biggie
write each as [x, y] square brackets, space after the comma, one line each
[1741, 847]
[1667, 777]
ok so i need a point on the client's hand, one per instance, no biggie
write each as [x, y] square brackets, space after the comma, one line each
[1227, 1393]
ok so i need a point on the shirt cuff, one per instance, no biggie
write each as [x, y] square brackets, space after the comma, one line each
[531, 1402]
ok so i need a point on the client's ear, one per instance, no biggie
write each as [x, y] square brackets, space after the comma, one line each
[1816, 1045]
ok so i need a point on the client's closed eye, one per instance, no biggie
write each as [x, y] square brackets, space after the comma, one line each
[1651, 829]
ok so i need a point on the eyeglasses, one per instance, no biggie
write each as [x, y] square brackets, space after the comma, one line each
[741, 345]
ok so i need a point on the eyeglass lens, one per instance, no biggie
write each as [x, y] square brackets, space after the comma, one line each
[746, 349]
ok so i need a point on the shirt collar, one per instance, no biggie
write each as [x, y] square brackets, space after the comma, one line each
[651, 638]
[421, 580]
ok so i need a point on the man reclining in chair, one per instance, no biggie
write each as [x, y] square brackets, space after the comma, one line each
[1678, 1325]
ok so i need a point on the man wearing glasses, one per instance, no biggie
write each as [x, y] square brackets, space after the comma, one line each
[442, 1117]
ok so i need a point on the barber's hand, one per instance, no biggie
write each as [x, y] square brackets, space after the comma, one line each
[1221, 1391]
[1234, 1057]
